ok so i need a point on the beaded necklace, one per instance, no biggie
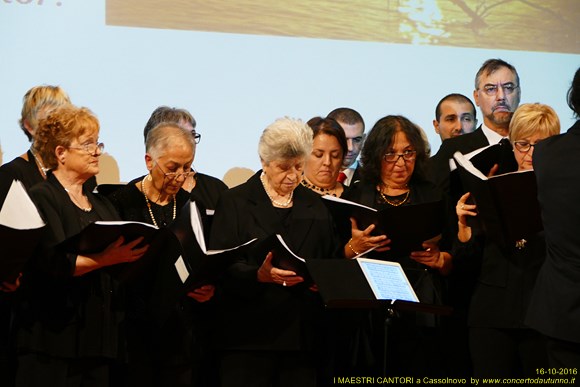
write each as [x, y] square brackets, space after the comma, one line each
[288, 202]
[149, 204]
[317, 189]
[78, 202]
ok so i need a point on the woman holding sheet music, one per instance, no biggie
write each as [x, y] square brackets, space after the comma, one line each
[269, 316]
[393, 166]
[68, 321]
[501, 345]
[160, 349]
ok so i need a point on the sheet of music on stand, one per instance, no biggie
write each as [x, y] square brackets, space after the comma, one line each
[387, 280]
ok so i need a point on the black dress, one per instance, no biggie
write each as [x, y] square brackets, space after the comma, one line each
[414, 339]
[167, 350]
[269, 332]
[66, 322]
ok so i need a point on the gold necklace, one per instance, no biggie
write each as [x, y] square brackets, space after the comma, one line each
[149, 204]
[319, 190]
[392, 202]
[288, 202]
[78, 202]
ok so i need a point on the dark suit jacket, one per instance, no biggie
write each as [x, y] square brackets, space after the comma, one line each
[62, 315]
[265, 316]
[439, 163]
[555, 305]
[506, 278]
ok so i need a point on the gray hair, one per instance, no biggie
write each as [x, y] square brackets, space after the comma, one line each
[284, 139]
[165, 134]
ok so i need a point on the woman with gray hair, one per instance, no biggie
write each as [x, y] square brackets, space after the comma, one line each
[160, 352]
[269, 315]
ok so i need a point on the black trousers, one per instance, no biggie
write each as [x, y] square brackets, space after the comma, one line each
[505, 353]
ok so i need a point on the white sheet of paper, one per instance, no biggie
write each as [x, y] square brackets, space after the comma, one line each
[18, 211]
[181, 269]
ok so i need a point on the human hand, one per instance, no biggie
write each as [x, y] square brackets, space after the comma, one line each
[120, 252]
[431, 256]
[203, 293]
[362, 241]
[9, 287]
[268, 273]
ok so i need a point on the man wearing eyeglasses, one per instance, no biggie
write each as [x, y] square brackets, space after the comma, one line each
[497, 93]
[354, 126]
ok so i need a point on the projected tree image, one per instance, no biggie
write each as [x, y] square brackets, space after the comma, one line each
[530, 25]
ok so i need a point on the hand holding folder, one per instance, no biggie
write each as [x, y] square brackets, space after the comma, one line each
[507, 204]
[406, 226]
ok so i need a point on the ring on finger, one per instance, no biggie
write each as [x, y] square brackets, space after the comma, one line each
[462, 206]
[284, 283]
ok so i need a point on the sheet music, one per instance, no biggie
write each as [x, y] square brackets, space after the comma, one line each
[387, 280]
[18, 211]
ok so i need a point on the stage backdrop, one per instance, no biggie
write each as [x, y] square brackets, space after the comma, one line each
[239, 65]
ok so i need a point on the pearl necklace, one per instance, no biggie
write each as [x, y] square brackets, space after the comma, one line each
[149, 204]
[317, 189]
[288, 202]
[78, 202]
[43, 170]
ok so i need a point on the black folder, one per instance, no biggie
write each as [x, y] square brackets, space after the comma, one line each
[407, 226]
[283, 257]
[484, 159]
[21, 229]
[507, 204]
[185, 263]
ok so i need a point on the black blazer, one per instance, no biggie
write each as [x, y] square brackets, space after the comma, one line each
[438, 166]
[259, 316]
[505, 281]
[555, 304]
[62, 315]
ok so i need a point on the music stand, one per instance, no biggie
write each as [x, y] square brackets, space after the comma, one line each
[342, 284]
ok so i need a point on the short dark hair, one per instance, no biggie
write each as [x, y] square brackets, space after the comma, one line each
[455, 97]
[492, 65]
[347, 115]
[381, 137]
[330, 127]
[574, 94]
[167, 114]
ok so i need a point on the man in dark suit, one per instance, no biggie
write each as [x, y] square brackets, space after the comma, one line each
[497, 93]
[555, 305]
[354, 127]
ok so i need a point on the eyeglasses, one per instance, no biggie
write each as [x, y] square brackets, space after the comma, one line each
[175, 175]
[196, 136]
[407, 155]
[508, 88]
[524, 146]
[90, 148]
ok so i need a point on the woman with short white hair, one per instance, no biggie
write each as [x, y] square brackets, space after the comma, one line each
[268, 314]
